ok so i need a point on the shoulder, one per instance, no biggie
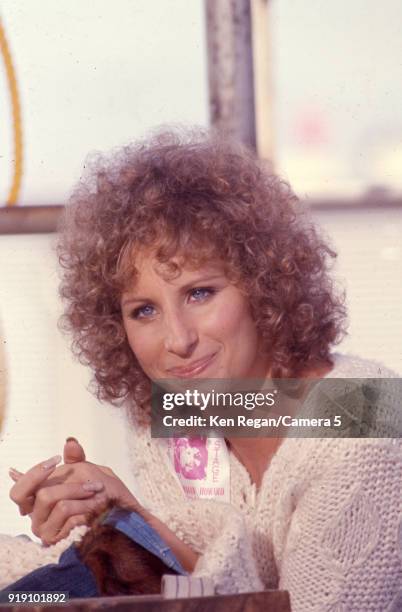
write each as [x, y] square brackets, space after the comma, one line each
[309, 460]
[353, 366]
[328, 474]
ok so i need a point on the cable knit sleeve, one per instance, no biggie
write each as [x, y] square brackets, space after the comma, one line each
[343, 546]
[20, 555]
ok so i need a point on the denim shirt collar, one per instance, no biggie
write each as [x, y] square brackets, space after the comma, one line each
[139, 531]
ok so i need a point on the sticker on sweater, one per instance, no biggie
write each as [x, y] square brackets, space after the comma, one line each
[201, 465]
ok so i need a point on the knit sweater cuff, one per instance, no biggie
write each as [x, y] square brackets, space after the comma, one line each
[20, 555]
[229, 561]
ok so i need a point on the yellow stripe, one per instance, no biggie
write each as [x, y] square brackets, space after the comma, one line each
[17, 126]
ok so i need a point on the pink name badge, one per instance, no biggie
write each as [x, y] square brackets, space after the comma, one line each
[201, 465]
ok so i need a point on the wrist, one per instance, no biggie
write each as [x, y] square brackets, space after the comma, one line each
[129, 502]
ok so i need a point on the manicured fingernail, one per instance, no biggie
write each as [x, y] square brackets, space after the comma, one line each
[52, 462]
[71, 439]
[93, 486]
[14, 473]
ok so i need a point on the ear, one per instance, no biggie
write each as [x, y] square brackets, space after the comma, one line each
[73, 451]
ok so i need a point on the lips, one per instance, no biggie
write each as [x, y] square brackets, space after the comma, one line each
[194, 368]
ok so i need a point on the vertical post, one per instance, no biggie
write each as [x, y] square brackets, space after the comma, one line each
[2, 381]
[263, 88]
[230, 68]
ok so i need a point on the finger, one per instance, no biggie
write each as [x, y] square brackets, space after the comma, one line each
[68, 514]
[23, 491]
[73, 451]
[50, 537]
[14, 474]
[48, 497]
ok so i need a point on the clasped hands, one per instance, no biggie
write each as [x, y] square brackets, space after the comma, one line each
[61, 498]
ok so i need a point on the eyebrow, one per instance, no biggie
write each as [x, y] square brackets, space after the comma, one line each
[183, 289]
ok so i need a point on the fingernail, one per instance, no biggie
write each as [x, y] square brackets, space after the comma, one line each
[93, 486]
[52, 462]
[71, 439]
[13, 472]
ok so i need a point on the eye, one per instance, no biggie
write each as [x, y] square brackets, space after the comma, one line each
[199, 294]
[143, 312]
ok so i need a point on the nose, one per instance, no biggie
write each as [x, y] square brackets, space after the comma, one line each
[181, 335]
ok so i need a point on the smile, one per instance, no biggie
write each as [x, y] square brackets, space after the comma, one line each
[194, 368]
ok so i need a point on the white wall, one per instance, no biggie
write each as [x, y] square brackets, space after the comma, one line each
[369, 266]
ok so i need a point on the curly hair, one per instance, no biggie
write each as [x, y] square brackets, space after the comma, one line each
[199, 195]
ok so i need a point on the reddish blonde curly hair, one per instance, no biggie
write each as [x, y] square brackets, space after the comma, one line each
[201, 196]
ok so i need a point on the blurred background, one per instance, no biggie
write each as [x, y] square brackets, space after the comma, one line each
[314, 86]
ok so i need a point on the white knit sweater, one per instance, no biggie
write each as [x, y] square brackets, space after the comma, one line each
[326, 524]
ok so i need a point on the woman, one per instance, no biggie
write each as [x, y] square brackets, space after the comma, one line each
[185, 257]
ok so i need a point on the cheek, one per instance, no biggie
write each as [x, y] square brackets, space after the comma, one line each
[233, 319]
[239, 333]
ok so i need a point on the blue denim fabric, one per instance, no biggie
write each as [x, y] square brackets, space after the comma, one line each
[69, 574]
[138, 530]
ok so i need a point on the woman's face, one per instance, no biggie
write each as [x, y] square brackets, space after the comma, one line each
[197, 325]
